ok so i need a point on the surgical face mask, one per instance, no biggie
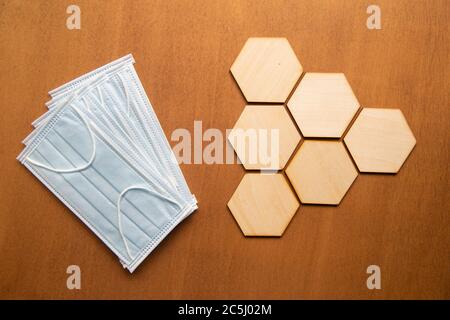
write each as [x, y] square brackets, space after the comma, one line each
[114, 116]
[102, 174]
[130, 110]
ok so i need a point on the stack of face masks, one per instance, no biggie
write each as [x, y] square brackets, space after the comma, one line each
[101, 150]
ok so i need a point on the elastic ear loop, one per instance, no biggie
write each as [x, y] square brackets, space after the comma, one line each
[128, 105]
[88, 106]
[94, 148]
[126, 93]
[129, 108]
[119, 212]
[101, 97]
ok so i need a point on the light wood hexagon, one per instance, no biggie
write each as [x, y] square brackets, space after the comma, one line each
[263, 204]
[323, 105]
[264, 137]
[380, 140]
[266, 70]
[321, 172]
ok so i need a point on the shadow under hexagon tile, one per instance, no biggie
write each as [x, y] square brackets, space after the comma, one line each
[380, 140]
[264, 137]
[266, 70]
[263, 204]
[321, 172]
[323, 105]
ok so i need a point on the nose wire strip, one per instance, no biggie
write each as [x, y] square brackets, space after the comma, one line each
[119, 212]
[91, 136]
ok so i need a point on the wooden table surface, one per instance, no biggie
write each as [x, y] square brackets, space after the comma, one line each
[183, 51]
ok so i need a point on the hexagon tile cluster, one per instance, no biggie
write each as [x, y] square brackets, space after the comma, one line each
[323, 105]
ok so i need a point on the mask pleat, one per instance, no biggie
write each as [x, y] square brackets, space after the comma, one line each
[92, 209]
[108, 189]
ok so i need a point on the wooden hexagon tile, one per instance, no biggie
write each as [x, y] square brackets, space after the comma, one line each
[264, 137]
[380, 140]
[321, 172]
[263, 204]
[266, 70]
[323, 105]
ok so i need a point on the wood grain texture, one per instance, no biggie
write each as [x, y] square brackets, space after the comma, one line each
[184, 50]
[323, 105]
[321, 172]
[263, 204]
[264, 137]
[266, 69]
[380, 140]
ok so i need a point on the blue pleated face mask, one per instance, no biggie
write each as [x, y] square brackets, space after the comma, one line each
[129, 115]
[92, 168]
